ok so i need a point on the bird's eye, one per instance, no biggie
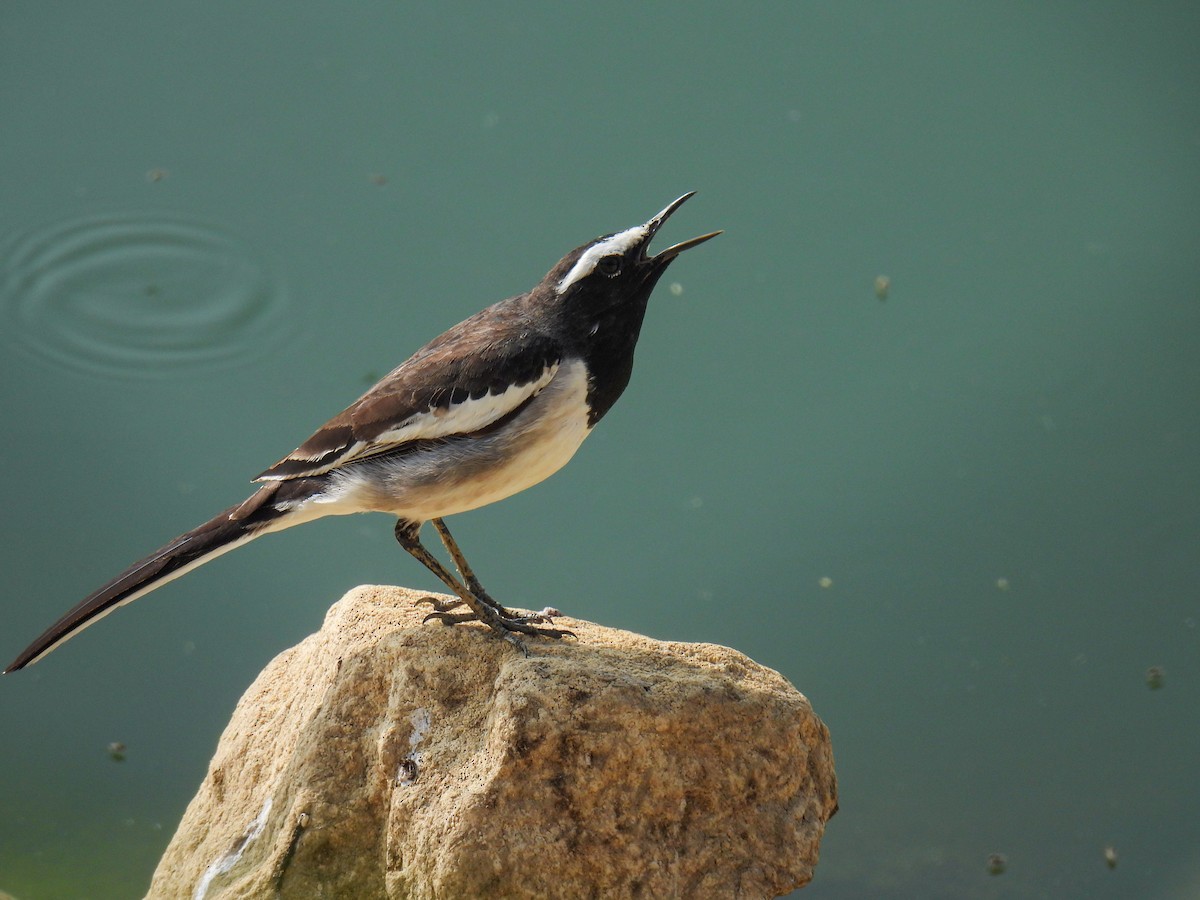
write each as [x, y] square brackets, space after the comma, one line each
[609, 266]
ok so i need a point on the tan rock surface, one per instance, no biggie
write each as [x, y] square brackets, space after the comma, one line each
[385, 758]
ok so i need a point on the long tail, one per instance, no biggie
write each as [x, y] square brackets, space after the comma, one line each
[232, 528]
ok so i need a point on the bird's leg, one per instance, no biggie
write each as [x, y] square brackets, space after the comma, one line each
[504, 625]
[474, 585]
[465, 570]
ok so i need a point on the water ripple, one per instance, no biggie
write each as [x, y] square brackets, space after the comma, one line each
[139, 294]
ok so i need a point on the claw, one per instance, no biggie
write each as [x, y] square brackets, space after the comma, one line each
[449, 618]
[557, 633]
[525, 627]
[518, 643]
[438, 604]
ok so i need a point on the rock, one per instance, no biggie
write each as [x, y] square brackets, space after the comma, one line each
[382, 757]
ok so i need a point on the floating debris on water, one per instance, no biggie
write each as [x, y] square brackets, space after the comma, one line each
[825, 581]
[1002, 584]
[1110, 856]
[116, 751]
[997, 863]
[676, 288]
[1155, 676]
[883, 284]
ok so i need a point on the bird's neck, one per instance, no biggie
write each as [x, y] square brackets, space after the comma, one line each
[608, 355]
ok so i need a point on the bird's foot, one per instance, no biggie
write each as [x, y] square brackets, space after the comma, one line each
[442, 605]
[520, 623]
[507, 627]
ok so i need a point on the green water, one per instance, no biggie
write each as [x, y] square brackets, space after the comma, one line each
[221, 221]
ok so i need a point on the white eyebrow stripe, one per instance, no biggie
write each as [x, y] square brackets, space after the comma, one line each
[620, 242]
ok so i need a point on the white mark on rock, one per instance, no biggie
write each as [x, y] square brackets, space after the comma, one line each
[410, 766]
[230, 859]
[419, 719]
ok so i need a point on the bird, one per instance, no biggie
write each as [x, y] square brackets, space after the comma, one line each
[489, 408]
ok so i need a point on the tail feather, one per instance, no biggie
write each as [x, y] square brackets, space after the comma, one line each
[224, 532]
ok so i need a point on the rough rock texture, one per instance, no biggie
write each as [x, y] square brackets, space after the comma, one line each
[385, 758]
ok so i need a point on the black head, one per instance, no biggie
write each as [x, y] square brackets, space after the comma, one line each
[615, 270]
[599, 293]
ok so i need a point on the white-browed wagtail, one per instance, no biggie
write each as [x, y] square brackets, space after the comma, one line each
[493, 406]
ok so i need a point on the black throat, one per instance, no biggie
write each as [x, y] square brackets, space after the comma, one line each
[607, 351]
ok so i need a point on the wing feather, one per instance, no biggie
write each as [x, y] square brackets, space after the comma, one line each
[476, 373]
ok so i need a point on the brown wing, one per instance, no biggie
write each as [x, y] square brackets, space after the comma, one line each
[477, 372]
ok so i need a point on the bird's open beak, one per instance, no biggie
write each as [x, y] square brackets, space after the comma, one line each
[674, 250]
